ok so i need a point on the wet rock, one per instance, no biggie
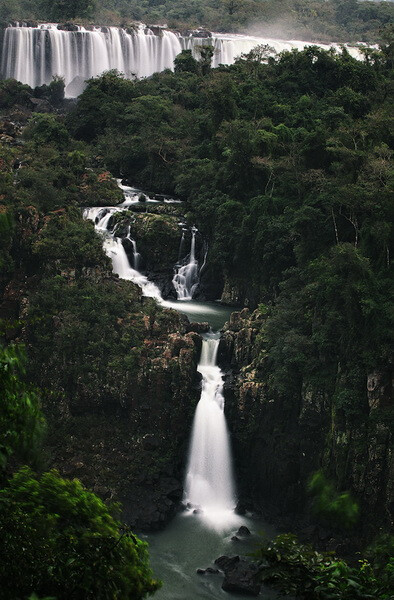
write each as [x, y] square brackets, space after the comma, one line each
[235, 539]
[243, 531]
[240, 509]
[240, 575]
[198, 327]
[207, 571]
[226, 563]
[212, 571]
[68, 27]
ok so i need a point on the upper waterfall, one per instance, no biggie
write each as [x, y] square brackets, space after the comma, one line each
[34, 55]
[185, 280]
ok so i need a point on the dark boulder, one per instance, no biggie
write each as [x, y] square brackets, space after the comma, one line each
[243, 531]
[68, 27]
[240, 575]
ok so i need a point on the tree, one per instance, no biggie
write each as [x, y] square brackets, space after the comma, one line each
[58, 538]
[68, 9]
[21, 421]
[185, 63]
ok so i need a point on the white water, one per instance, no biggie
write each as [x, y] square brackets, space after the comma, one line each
[185, 280]
[114, 248]
[209, 484]
[209, 481]
[34, 55]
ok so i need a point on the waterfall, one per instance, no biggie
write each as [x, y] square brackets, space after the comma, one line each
[114, 249]
[185, 279]
[209, 479]
[34, 55]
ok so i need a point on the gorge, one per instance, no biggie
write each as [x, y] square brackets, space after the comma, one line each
[210, 498]
[263, 184]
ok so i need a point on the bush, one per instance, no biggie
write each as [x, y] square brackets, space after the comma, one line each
[58, 538]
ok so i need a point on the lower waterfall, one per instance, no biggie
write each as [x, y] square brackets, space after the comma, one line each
[209, 485]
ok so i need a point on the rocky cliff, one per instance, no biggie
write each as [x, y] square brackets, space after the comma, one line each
[280, 439]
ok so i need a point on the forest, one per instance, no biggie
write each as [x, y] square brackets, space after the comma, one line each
[319, 20]
[284, 163]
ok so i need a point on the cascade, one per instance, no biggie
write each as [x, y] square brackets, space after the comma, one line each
[136, 254]
[209, 484]
[185, 279]
[114, 249]
[209, 478]
[181, 246]
[34, 55]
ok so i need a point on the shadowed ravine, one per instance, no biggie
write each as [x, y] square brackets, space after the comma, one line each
[203, 531]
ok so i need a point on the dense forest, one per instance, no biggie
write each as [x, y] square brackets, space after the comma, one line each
[324, 20]
[284, 163]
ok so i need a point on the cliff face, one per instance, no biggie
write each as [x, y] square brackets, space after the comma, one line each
[119, 409]
[280, 439]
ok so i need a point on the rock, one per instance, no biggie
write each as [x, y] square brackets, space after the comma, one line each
[198, 327]
[243, 578]
[197, 511]
[235, 539]
[226, 563]
[41, 105]
[68, 27]
[240, 509]
[208, 570]
[243, 531]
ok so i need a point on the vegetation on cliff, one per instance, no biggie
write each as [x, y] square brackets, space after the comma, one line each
[56, 537]
[286, 166]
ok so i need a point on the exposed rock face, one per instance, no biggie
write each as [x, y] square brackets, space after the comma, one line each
[281, 438]
[239, 292]
[120, 380]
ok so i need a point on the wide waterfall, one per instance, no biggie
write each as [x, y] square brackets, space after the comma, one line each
[185, 280]
[209, 485]
[34, 55]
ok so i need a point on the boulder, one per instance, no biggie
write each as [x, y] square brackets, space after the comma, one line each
[198, 327]
[243, 531]
[240, 575]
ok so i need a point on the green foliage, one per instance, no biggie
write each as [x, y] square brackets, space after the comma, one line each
[297, 569]
[21, 422]
[13, 92]
[58, 538]
[338, 509]
[47, 129]
[67, 9]
[185, 62]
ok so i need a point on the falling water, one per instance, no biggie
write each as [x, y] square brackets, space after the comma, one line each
[34, 55]
[209, 480]
[114, 249]
[185, 280]
[136, 254]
